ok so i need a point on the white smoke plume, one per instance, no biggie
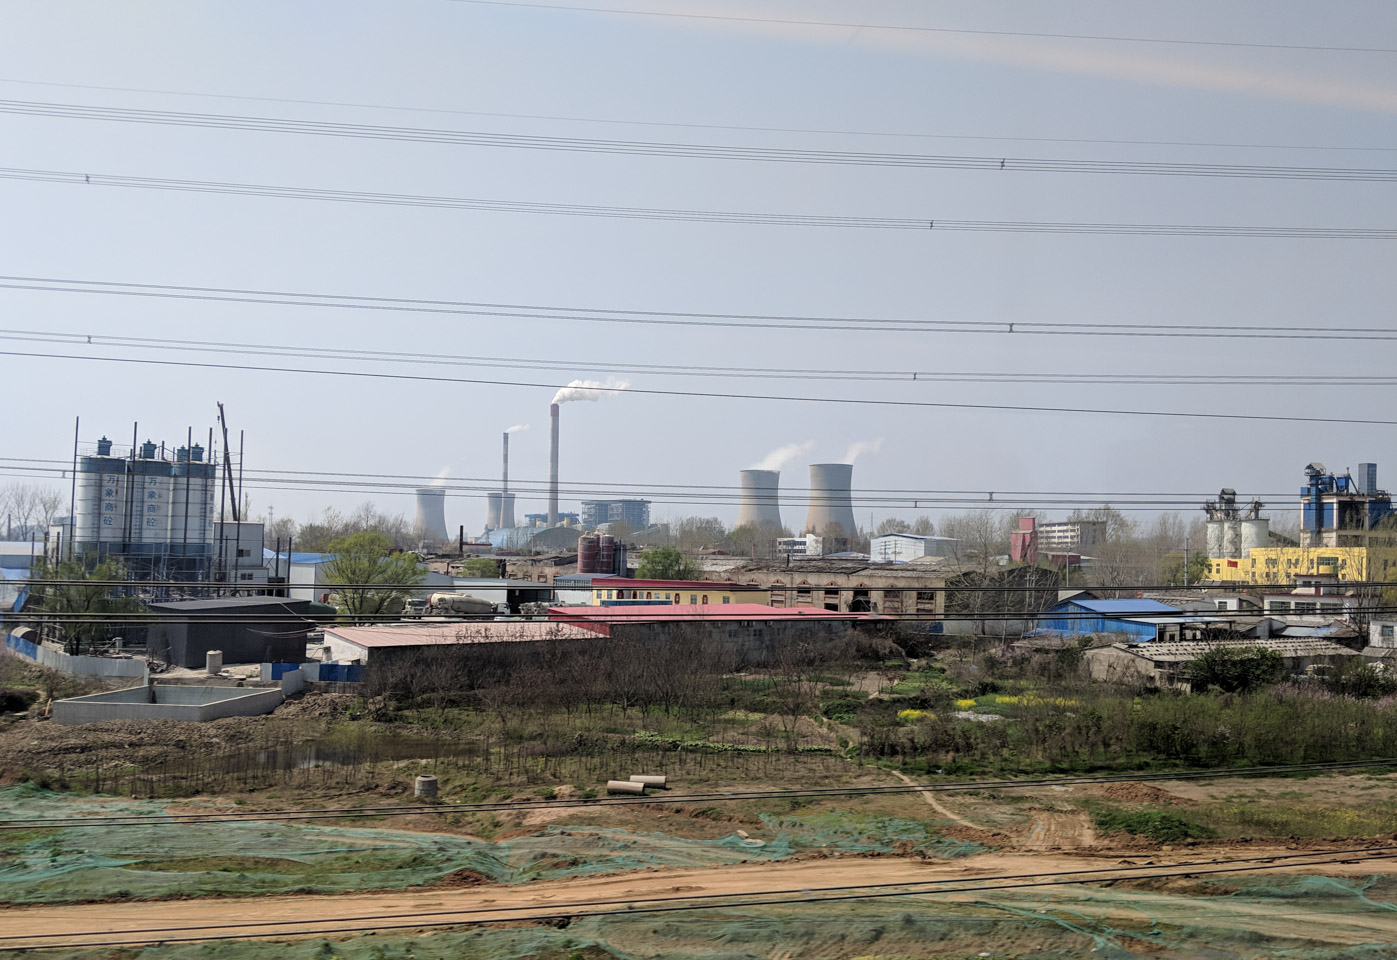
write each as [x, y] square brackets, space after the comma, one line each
[442, 474]
[862, 447]
[517, 428]
[590, 390]
[781, 456]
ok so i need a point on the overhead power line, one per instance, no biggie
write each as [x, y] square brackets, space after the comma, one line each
[857, 401]
[744, 321]
[699, 151]
[913, 28]
[615, 121]
[571, 364]
[925, 225]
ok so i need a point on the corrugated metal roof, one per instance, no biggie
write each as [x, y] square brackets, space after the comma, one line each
[298, 557]
[710, 585]
[701, 612]
[458, 632]
[1119, 608]
[1182, 651]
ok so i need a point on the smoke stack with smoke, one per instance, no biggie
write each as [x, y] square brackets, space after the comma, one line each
[504, 516]
[862, 447]
[553, 460]
[589, 390]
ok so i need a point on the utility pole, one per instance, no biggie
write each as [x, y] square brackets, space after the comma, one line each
[1185, 561]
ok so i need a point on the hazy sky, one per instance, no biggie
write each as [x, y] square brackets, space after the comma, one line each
[459, 66]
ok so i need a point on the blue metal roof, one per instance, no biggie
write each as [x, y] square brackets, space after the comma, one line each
[1123, 607]
[298, 557]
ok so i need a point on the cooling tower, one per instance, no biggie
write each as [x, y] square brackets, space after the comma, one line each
[506, 511]
[761, 499]
[431, 514]
[831, 499]
[553, 465]
[492, 510]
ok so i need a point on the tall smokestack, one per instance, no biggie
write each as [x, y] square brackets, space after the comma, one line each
[761, 499]
[504, 486]
[831, 498]
[553, 465]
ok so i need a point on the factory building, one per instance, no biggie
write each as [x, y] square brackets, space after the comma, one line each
[1340, 511]
[905, 547]
[846, 586]
[614, 591]
[634, 513]
[1070, 534]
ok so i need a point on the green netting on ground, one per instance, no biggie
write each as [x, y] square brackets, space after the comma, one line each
[1200, 922]
[60, 864]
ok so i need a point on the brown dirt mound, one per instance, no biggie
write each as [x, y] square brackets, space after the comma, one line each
[1138, 793]
[464, 878]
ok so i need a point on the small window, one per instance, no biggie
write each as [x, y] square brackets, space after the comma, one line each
[608, 595]
[649, 595]
[727, 599]
[705, 598]
[693, 598]
[1385, 631]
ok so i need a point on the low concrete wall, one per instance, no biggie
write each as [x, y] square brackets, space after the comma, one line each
[131, 667]
[167, 702]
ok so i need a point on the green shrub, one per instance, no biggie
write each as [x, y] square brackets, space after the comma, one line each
[1158, 826]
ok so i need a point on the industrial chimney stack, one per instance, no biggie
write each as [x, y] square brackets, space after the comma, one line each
[553, 465]
[831, 499]
[761, 499]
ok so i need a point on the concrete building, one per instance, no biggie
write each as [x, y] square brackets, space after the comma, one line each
[905, 547]
[384, 642]
[1064, 535]
[239, 556]
[809, 545]
[246, 629]
[749, 627]
[1316, 597]
[847, 586]
[1166, 663]
[633, 513]
[304, 575]
[619, 591]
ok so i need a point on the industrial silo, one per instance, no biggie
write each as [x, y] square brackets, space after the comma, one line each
[1255, 533]
[101, 498]
[589, 554]
[831, 499]
[151, 478]
[1232, 539]
[191, 510]
[761, 499]
[431, 514]
[606, 555]
[1215, 538]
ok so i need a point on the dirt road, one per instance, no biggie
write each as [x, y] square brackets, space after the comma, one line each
[303, 916]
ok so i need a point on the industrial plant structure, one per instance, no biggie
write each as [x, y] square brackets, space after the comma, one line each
[1233, 531]
[1340, 511]
[431, 514]
[760, 505]
[634, 513]
[152, 510]
[831, 499]
[499, 513]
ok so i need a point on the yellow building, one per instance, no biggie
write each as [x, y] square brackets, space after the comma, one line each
[696, 592]
[1280, 565]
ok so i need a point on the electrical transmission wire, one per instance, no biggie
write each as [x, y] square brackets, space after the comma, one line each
[571, 365]
[700, 151]
[925, 224]
[616, 121]
[712, 395]
[693, 317]
[911, 28]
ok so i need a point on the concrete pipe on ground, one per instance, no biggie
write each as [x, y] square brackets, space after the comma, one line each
[624, 786]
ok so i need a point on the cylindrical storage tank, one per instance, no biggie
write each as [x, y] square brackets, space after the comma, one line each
[1232, 539]
[425, 786]
[589, 554]
[606, 554]
[213, 662]
[431, 514]
[492, 511]
[624, 786]
[831, 499]
[1215, 539]
[506, 511]
[650, 780]
[761, 499]
[151, 499]
[1255, 533]
[101, 500]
